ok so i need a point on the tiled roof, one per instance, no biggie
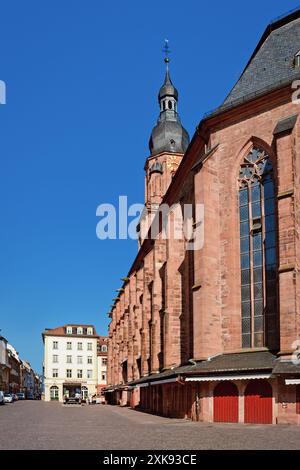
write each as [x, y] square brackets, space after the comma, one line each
[273, 60]
[260, 360]
[154, 377]
[61, 330]
[103, 339]
[225, 363]
[286, 367]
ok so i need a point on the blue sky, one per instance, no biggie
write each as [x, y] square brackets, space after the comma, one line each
[82, 81]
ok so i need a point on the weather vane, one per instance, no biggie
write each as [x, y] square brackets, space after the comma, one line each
[166, 50]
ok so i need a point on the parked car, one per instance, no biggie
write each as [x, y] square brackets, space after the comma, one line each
[8, 398]
[30, 396]
[75, 398]
[20, 395]
[15, 397]
[2, 402]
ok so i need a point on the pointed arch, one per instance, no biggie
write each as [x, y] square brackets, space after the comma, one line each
[258, 245]
[245, 149]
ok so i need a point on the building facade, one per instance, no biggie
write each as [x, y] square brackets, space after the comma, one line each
[102, 351]
[27, 379]
[4, 365]
[70, 361]
[38, 388]
[15, 370]
[206, 325]
[17, 375]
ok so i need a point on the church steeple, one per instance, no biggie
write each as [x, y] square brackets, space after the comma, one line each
[168, 143]
[168, 95]
[168, 135]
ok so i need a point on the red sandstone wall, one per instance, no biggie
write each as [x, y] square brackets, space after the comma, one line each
[176, 323]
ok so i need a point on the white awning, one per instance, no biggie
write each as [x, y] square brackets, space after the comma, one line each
[292, 381]
[157, 382]
[165, 381]
[227, 377]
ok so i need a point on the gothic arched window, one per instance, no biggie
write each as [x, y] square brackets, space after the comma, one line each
[258, 236]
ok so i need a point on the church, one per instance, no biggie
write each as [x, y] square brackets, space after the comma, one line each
[212, 334]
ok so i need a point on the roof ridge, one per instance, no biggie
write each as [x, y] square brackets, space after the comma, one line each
[284, 15]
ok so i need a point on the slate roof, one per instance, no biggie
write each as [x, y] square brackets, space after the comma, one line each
[258, 361]
[224, 363]
[167, 374]
[168, 135]
[261, 360]
[167, 88]
[273, 59]
[286, 367]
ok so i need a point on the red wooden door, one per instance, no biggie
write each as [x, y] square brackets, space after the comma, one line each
[298, 399]
[258, 402]
[226, 403]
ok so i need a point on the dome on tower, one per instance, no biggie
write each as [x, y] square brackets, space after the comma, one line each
[168, 135]
[167, 88]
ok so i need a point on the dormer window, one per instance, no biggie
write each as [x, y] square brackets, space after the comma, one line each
[104, 348]
[90, 331]
[297, 60]
[79, 330]
[69, 330]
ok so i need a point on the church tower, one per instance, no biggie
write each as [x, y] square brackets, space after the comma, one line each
[168, 143]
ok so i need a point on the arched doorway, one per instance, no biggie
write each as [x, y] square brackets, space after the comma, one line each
[54, 393]
[226, 403]
[258, 402]
[84, 393]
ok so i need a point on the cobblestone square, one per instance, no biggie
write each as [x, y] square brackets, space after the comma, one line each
[39, 425]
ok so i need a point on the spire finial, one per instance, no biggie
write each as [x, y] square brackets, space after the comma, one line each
[166, 50]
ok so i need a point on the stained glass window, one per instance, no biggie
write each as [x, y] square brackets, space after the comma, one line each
[258, 251]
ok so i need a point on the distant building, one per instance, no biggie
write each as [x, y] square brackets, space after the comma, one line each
[4, 365]
[17, 375]
[15, 369]
[27, 379]
[102, 349]
[37, 386]
[70, 361]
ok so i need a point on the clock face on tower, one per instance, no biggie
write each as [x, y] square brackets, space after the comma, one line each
[172, 163]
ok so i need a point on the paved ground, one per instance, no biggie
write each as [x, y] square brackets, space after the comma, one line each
[39, 425]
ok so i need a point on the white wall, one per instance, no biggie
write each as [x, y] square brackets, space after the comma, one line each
[62, 365]
[102, 369]
[3, 352]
